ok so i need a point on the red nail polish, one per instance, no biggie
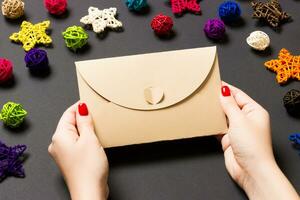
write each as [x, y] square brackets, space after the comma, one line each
[82, 109]
[225, 91]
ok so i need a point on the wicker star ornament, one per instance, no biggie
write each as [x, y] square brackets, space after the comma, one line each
[270, 11]
[286, 66]
[101, 19]
[32, 34]
[181, 6]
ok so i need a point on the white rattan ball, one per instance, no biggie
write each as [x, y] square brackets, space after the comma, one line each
[258, 40]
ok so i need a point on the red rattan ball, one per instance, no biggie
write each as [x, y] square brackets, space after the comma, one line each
[162, 24]
[6, 70]
[56, 7]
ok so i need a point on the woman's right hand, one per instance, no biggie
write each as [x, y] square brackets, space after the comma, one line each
[248, 150]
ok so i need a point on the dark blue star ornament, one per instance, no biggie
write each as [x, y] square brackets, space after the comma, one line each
[10, 161]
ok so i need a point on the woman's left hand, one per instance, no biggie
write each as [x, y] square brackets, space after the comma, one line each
[79, 155]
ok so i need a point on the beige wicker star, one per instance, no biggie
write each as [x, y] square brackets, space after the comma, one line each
[101, 19]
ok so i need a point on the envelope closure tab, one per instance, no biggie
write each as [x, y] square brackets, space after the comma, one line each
[153, 95]
[149, 81]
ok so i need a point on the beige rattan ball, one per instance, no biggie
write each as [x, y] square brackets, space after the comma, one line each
[13, 9]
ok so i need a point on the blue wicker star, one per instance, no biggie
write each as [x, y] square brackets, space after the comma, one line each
[10, 162]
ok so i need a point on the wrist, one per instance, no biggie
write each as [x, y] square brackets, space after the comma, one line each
[258, 179]
[82, 190]
[266, 181]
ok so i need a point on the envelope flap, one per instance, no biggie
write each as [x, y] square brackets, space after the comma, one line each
[148, 81]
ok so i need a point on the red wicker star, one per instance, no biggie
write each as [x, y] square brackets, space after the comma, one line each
[286, 66]
[181, 6]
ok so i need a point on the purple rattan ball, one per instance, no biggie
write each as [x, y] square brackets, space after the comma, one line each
[36, 59]
[214, 29]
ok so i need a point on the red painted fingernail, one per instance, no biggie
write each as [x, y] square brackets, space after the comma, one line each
[82, 109]
[225, 91]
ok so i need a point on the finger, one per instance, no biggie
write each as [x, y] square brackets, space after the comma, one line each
[50, 149]
[84, 120]
[66, 128]
[68, 117]
[225, 142]
[229, 104]
[231, 164]
[219, 137]
[241, 98]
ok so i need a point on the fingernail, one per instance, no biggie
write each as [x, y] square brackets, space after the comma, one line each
[82, 109]
[225, 91]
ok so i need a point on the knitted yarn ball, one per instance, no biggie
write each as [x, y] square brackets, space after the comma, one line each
[75, 37]
[13, 114]
[214, 29]
[291, 101]
[36, 59]
[162, 24]
[56, 7]
[13, 9]
[136, 5]
[229, 11]
[295, 138]
[6, 70]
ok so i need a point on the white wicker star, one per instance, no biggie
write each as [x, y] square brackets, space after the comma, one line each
[100, 19]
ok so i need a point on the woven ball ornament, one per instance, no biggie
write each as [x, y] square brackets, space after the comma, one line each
[13, 9]
[13, 114]
[162, 25]
[6, 70]
[229, 11]
[36, 59]
[75, 37]
[258, 40]
[291, 101]
[295, 138]
[136, 5]
[56, 7]
[214, 29]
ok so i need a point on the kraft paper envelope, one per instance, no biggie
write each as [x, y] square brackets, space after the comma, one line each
[153, 97]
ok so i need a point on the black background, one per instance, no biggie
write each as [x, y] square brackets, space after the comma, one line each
[188, 169]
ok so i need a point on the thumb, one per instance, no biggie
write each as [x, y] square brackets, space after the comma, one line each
[84, 120]
[229, 104]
